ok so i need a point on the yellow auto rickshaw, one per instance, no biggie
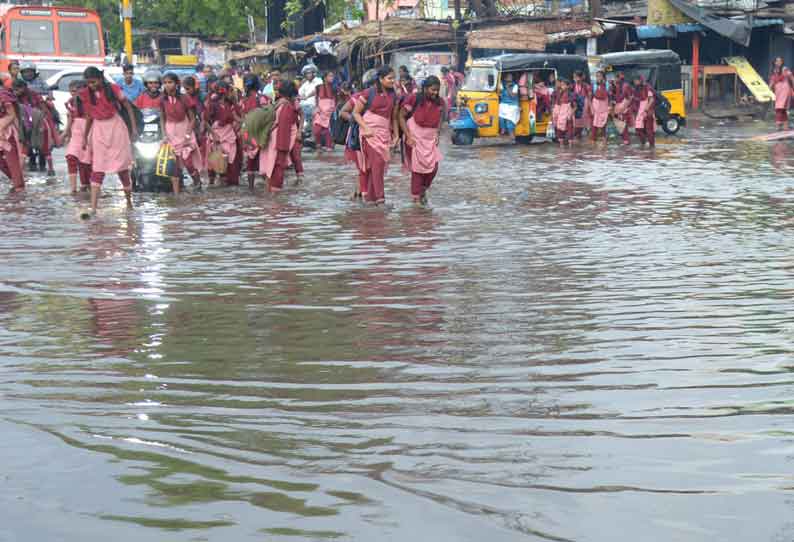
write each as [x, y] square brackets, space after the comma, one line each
[478, 98]
[662, 69]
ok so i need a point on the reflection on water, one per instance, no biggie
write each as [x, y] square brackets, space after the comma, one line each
[569, 345]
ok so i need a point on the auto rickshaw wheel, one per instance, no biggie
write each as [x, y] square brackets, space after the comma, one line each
[524, 140]
[671, 125]
[462, 137]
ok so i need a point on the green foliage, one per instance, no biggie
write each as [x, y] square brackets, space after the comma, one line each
[218, 18]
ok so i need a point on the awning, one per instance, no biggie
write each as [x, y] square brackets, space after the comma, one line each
[645, 32]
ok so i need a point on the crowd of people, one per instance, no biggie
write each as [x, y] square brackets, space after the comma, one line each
[202, 119]
[579, 107]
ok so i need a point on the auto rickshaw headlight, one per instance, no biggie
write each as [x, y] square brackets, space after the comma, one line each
[481, 108]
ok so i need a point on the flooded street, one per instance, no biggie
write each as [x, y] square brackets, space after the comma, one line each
[587, 345]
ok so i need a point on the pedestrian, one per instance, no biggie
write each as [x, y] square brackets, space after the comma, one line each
[308, 90]
[324, 109]
[13, 73]
[40, 134]
[270, 88]
[192, 97]
[354, 156]
[509, 112]
[131, 86]
[406, 85]
[583, 120]
[600, 107]
[106, 132]
[421, 132]
[179, 123]
[253, 100]
[563, 112]
[781, 82]
[645, 120]
[10, 145]
[274, 159]
[78, 157]
[152, 95]
[296, 155]
[622, 98]
[222, 115]
[376, 115]
[449, 86]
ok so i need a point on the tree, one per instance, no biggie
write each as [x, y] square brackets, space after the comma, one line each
[218, 18]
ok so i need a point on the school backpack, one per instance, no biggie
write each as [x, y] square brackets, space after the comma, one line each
[579, 105]
[354, 141]
[258, 125]
[339, 128]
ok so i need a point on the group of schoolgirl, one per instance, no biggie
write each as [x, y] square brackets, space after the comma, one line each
[101, 120]
[579, 106]
[391, 113]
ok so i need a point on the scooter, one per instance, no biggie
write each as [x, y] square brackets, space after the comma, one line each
[145, 151]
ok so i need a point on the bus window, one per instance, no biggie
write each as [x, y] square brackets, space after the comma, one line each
[80, 39]
[32, 36]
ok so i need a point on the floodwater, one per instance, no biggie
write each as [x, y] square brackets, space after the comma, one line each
[589, 345]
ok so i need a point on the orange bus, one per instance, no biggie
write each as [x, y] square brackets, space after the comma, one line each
[55, 38]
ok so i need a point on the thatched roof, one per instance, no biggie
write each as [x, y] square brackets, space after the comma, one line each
[373, 38]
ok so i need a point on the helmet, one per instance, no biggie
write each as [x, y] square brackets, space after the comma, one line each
[309, 68]
[27, 65]
[370, 76]
[152, 76]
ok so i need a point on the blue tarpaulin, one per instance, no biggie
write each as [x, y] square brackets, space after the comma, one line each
[646, 32]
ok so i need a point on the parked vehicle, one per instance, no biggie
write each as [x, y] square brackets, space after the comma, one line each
[478, 99]
[662, 69]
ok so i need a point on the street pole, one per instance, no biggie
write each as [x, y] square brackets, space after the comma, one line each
[126, 14]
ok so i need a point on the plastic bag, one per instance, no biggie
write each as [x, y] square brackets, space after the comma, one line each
[165, 165]
[217, 161]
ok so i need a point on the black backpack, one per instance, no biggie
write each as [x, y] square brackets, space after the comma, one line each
[339, 127]
[354, 141]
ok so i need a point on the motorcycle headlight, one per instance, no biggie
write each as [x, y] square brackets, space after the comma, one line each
[481, 108]
[148, 150]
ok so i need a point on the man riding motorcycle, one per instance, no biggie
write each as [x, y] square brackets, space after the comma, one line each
[152, 96]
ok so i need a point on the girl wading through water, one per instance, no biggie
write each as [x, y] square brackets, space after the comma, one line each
[106, 132]
[78, 159]
[10, 147]
[376, 115]
[179, 124]
[284, 136]
[780, 81]
[424, 112]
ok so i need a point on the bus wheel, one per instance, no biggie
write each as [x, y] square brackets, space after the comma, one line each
[671, 125]
[524, 140]
[462, 137]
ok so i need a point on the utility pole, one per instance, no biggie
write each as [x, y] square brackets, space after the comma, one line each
[126, 17]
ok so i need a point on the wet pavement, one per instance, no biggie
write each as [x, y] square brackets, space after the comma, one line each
[588, 345]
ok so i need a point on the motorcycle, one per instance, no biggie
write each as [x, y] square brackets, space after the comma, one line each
[145, 151]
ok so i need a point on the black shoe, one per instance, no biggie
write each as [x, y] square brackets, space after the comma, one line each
[42, 167]
[32, 166]
[50, 173]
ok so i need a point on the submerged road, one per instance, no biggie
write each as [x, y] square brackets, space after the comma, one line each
[589, 344]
